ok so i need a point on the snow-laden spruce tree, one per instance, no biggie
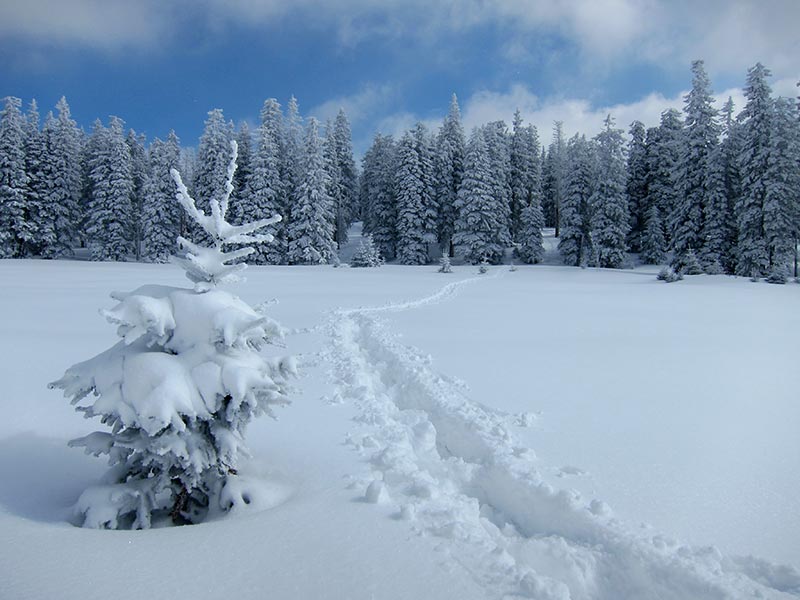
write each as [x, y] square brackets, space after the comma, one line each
[576, 245]
[415, 201]
[448, 172]
[367, 254]
[180, 387]
[161, 216]
[13, 179]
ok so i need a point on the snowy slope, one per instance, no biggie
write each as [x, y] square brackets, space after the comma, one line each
[387, 478]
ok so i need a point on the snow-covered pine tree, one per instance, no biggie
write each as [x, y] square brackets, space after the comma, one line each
[576, 245]
[782, 197]
[244, 171]
[719, 234]
[292, 157]
[554, 178]
[212, 162]
[526, 191]
[139, 171]
[13, 179]
[756, 127]
[449, 170]
[651, 250]
[37, 225]
[416, 209]
[367, 254]
[180, 387]
[311, 232]
[636, 185]
[498, 148]
[109, 221]
[610, 216]
[664, 150]
[480, 222]
[265, 187]
[161, 214]
[64, 165]
[346, 184]
[378, 203]
[701, 133]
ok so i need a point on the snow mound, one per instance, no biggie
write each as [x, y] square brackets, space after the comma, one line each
[454, 470]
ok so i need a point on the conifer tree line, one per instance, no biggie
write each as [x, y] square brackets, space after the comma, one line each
[108, 192]
[705, 186]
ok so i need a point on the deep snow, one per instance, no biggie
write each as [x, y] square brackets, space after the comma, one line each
[389, 478]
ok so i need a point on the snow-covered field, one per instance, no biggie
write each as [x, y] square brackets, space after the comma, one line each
[544, 417]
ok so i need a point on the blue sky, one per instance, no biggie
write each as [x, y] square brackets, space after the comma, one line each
[164, 64]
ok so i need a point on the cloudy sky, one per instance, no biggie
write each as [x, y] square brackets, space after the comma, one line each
[163, 64]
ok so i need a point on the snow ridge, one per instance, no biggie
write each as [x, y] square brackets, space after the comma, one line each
[453, 470]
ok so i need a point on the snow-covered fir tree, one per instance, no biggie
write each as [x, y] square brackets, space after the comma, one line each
[180, 388]
[38, 224]
[342, 170]
[782, 195]
[481, 232]
[311, 232]
[110, 219]
[244, 171]
[416, 205]
[498, 149]
[449, 170]
[212, 161]
[64, 163]
[652, 246]
[161, 215]
[701, 133]
[610, 217]
[367, 254]
[554, 178]
[13, 179]
[527, 218]
[292, 158]
[378, 202]
[752, 256]
[139, 171]
[636, 185]
[576, 245]
[664, 150]
[265, 194]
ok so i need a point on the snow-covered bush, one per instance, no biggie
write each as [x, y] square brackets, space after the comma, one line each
[778, 275]
[484, 266]
[444, 265]
[688, 263]
[669, 275]
[367, 254]
[180, 387]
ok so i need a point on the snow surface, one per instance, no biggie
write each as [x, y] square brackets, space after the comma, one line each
[548, 412]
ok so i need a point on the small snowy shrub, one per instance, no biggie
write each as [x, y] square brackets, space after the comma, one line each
[668, 275]
[178, 390]
[688, 264]
[367, 254]
[444, 265]
[484, 266]
[778, 275]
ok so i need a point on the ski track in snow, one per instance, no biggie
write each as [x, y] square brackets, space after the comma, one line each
[451, 468]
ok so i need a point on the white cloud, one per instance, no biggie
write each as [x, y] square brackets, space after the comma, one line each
[359, 107]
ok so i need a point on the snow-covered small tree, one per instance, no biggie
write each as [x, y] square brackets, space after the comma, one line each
[367, 254]
[444, 264]
[180, 387]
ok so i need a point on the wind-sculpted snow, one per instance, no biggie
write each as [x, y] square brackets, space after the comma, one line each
[454, 470]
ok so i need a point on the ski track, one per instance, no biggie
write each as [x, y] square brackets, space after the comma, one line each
[452, 469]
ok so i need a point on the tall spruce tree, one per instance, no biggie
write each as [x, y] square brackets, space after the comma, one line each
[610, 216]
[109, 222]
[38, 225]
[576, 245]
[139, 172]
[265, 189]
[554, 178]
[13, 179]
[701, 133]
[664, 152]
[449, 170]
[752, 254]
[311, 232]
[636, 185]
[213, 155]
[346, 175]
[416, 205]
[481, 230]
[161, 215]
[244, 171]
[498, 148]
[378, 195]
[782, 195]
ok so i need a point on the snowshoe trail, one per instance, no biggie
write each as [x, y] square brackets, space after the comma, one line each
[452, 468]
